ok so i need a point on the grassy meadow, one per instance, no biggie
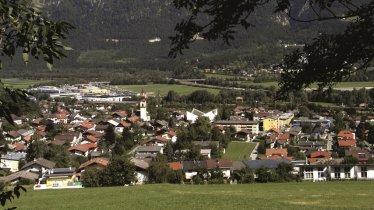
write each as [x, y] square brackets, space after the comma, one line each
[302, 195]
[21, 83]
[165, 88]
[239, 150]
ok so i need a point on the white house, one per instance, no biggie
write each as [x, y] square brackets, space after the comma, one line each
[195, 114]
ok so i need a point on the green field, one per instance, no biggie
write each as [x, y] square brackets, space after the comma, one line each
[165, 88]
[21, 83]
[295, 195]
[239, 150]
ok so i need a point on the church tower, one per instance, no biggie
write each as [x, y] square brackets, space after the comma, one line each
[143, 107]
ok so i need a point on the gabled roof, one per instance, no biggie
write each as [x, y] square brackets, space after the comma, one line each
[57, 172]
[20, 174]
[19, 147]
[175, 166]
[140, 163]
[345, 134]
[14, 156]
[98, 161]
[41, 162]
[347, 143]
[87, 125]
[91, 138]
[13, 134]
[83, 147]
[149, 149]
[220, 163]
[276, 151]
[320, 154]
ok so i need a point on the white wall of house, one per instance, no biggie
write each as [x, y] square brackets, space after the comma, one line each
[141, 177]
[11, 164]
[189, 175]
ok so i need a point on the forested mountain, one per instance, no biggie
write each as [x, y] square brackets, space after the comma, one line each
[119, 34]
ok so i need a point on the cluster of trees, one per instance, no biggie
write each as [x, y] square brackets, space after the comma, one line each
[119, 172]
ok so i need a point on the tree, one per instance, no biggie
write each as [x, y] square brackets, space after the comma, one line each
[110, 136]
[263, 175]
[158, 170]
[24, 28]
[119, 172]
[327, 59]
[350, 160]
[91, 177]
[244, 175]
[370, 137]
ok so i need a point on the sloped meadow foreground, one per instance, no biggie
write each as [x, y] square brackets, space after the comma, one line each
[296, 195]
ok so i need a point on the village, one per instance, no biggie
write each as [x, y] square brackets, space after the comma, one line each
[193, 143]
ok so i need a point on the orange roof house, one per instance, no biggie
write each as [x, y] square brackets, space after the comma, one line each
[346, 134]
[282, 152]
[175, 166]
[83, 149]
[320, 154]
[100, 162]
[347, 143]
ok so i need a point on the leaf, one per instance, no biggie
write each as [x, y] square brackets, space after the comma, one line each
[25, 57]
[67, 48]
[49, 65]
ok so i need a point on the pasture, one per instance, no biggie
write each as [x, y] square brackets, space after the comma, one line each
[239, 151]
[295, 195]
[21, 83]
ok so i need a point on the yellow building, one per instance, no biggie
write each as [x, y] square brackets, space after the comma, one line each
[278, 121]
[60, 178]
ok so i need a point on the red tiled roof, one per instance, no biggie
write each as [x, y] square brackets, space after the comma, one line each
[176, 166]
[83, 147]
[172, 133]
[87, 125]
[19, 147]
[276, 151]
[214, 163]
[62, 116]
[27, 138]
[345, 134]
[347, 143]
[91, 138]
[98, 161]
[320, 154]
[284, 136]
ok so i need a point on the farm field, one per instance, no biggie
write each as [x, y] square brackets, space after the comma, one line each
[21, 83]
[239, 150]
[165, 88]
[295, 195]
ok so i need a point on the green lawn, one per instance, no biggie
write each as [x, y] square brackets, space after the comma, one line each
[21, 83]
[165, 88]
[239, 150]
[295, 195]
